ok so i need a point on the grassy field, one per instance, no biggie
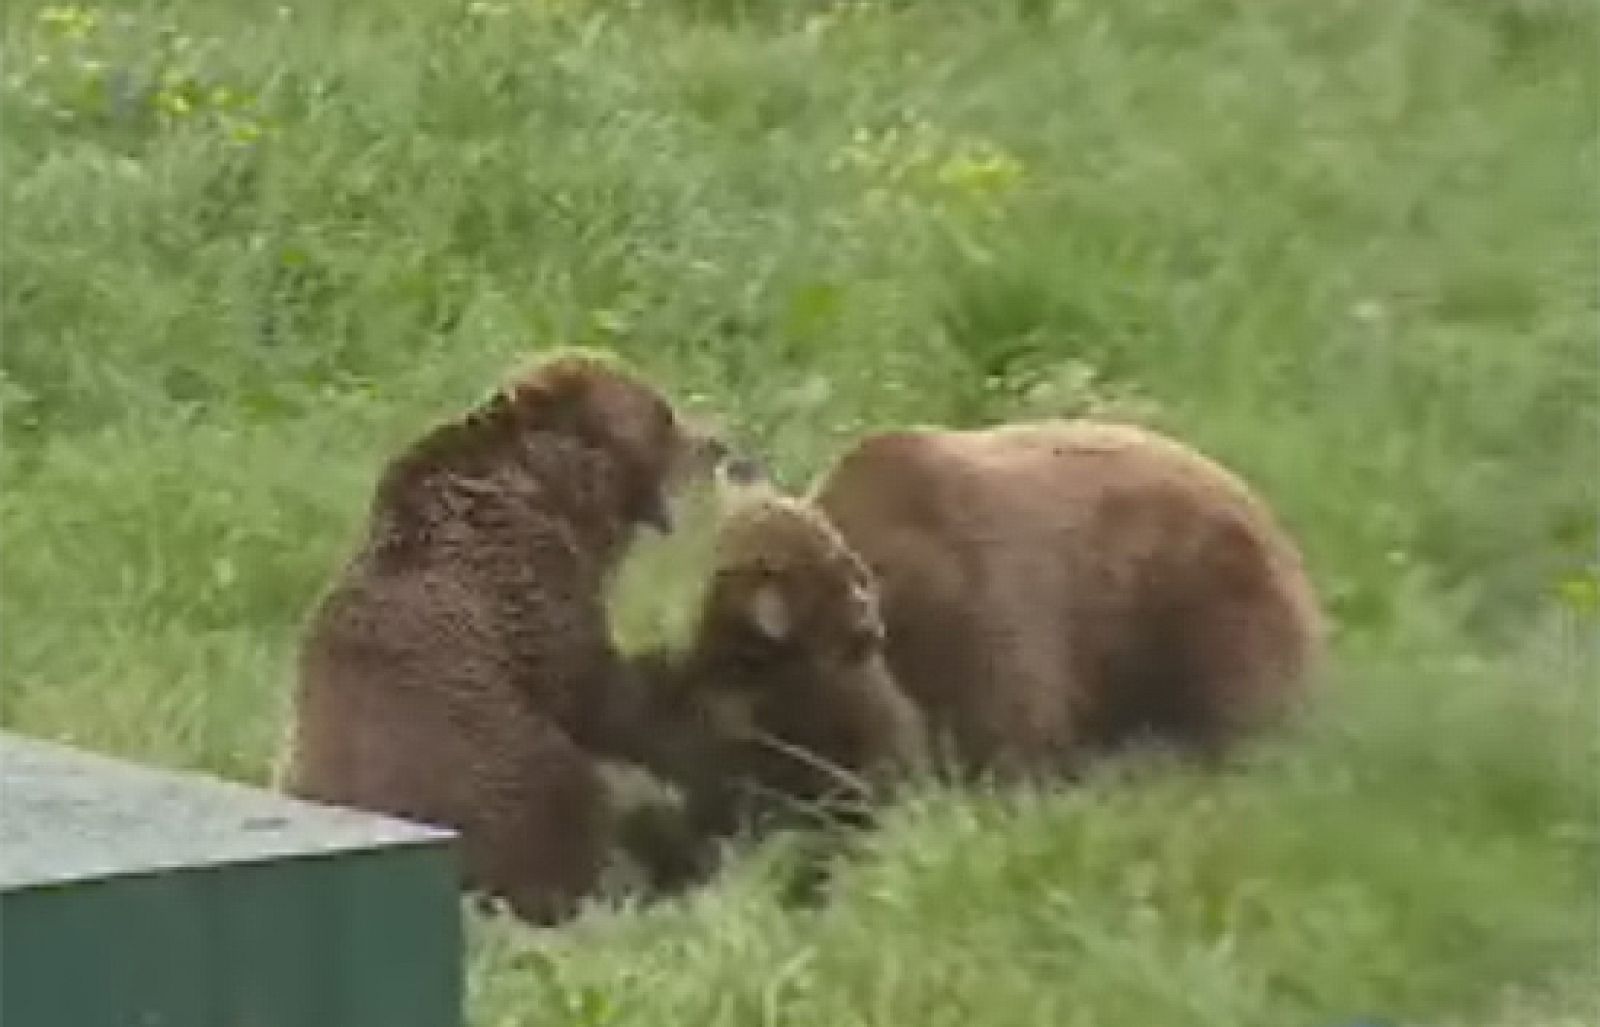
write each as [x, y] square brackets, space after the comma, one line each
[1348, 246]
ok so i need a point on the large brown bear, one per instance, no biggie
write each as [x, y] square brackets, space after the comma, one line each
[1059, 588]
[460, 671]
[1049, 591]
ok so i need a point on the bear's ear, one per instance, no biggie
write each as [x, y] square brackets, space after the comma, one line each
[866, 625]
[768, 612]
[555, 398]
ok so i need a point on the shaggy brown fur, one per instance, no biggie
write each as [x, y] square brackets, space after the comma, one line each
[460, 671]
[1059, 588]
[785, 675]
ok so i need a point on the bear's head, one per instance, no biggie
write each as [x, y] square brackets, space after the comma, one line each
[610, 410]
[577, 436]
[785, 672]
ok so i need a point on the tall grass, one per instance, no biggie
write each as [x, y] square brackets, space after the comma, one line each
[1348, 247]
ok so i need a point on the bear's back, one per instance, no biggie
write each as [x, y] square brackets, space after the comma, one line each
[1102, 493]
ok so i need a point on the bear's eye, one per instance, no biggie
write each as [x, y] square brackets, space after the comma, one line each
[666, 422]
[753, 659]
[861, 645]
[754, 655]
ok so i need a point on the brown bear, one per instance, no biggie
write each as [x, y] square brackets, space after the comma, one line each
[460, 671]
[1056, 589]
[782, 705]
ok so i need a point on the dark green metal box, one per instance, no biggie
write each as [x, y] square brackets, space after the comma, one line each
[131, 897]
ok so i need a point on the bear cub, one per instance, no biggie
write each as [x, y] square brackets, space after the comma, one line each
[782, 706]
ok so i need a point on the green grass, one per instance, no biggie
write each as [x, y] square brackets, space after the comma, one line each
[1348, 247]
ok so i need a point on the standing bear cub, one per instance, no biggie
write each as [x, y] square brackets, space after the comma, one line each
[460, 671]
[1046, 592]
